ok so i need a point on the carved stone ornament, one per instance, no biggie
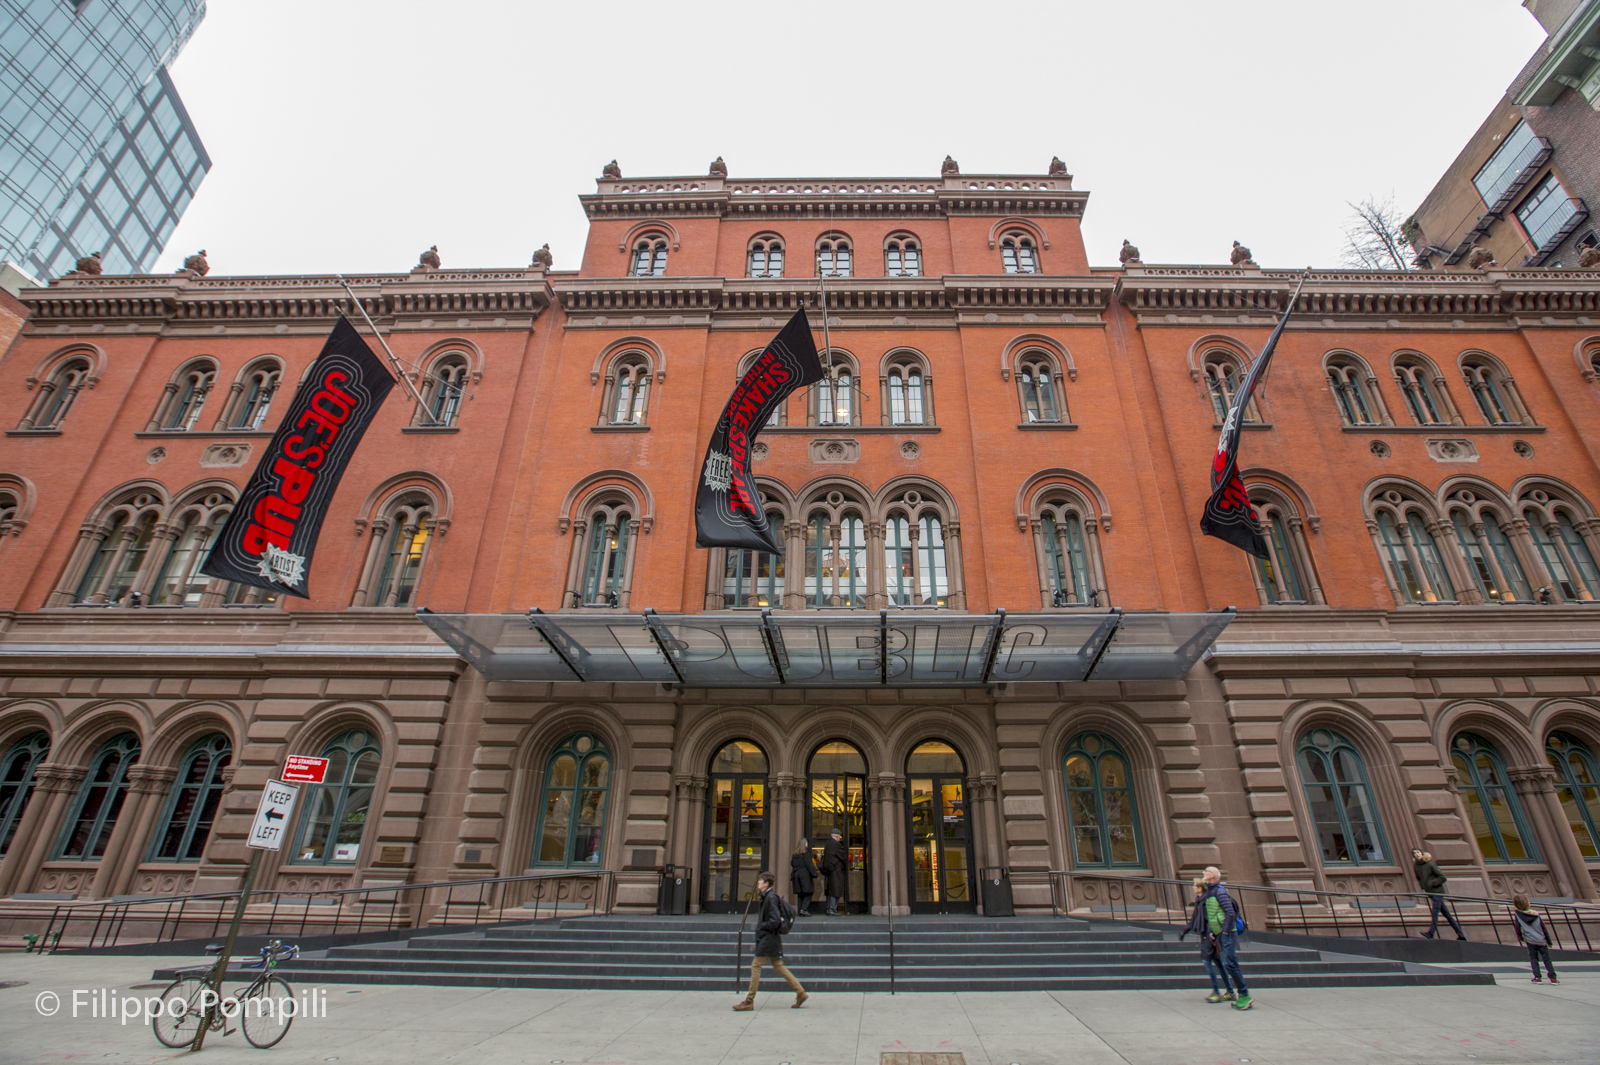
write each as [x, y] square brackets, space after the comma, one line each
[949, 168]
[1057, 167]
[1129, 254]
[196, 264]
[429, 260]
[1379, 449]
[543, 258]
[1589, 259]
[611, 170]
[1480, 258]
[1453, 450]
[1241, 255]
[155, 455]
[910, 450]
[89, 265]
[759, 449]
[225, 455]
[1523, 449]
[718, 168]
[835, 449]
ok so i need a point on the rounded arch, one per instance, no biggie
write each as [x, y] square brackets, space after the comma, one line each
[934, 497]
[705, 738]
[814, 496]
[1018, 344]
[1586, 353]
[530, 762]
[331, 718]
[448, 346]
[26, 716]
[1211, 342]
[1482, 489]
[27, 497]
[652, 350]
[1560, 492]
[646, 228]
[842, 725]
[94, 355]
[774, 493]
[1497, 721]
[1471, 355]
[644, 502]
[1412, 495]
[1297, 497]
[937, 723]
[1580, 717]
[1089, 492]
[1376, 746]
[904, 354]
[1345, 355]
[88, 728]
[432, 485]
[184, 725]
[1023, 225]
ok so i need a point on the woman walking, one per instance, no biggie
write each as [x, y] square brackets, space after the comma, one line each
[803, 876]
[1432, 881]
[1206, 922]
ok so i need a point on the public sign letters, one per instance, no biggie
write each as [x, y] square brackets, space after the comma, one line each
[272, 816]
[304, 769]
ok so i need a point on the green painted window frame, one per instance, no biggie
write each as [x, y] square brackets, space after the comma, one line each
[569, 747]
[1308, 747]
[34, 748]
[1103, 747]
[1560, 747]
[1465, 748]
[107, 813]
[218, 750]
[356, 743]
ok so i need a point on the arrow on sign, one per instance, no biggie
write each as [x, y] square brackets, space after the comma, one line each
[273, 815]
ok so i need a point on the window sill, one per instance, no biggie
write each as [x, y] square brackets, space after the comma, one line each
[34, 432]
[1035, 427]
[1444, 428]
[203, 434]
[430, 429]
[870, 429]
[619, 428]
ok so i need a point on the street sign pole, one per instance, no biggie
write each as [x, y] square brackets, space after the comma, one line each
[227, 946]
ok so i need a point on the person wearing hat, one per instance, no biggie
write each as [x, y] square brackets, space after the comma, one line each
[835, 862]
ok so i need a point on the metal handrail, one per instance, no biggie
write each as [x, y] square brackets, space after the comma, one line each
[891, 936]
[1283, 903]
[110, 917]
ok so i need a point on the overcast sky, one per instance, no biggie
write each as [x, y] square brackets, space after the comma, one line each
[348, 135]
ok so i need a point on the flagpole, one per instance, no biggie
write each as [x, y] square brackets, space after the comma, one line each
[405, 379]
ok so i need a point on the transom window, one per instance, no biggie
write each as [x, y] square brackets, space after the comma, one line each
[99, 802]
[1102, 813]
[192, 806]
[1339, 798]
[335, 811]
[572, 817]
[1017, 254]
[650, 257]
[1493, 809]
[902, 258]
[833, 258]
[1578, 789]
[766, 257]
[16, 782]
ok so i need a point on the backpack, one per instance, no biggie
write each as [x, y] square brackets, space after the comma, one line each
[1532, 929]
[785, 914]
[1239, 924]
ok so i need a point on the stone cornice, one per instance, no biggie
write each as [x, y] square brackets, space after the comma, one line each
[1206, 295]
[180, 304]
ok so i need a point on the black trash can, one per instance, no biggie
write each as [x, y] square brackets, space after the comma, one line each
[672, 897]
[997, 891]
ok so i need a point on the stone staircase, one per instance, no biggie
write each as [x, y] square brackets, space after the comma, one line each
[932, 953]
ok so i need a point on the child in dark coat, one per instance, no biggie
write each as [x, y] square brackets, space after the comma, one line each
[1531, 930]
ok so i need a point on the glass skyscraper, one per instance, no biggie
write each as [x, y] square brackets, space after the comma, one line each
[96, 150]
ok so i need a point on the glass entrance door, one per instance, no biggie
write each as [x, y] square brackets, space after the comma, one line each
[736, 828]
[838, 789]
[939, 835]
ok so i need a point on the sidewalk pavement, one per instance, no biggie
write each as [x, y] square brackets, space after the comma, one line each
[1514, 1021]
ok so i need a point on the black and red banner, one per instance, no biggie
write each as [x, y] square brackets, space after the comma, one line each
[727, 507]
[1228, 514]
[269, 538]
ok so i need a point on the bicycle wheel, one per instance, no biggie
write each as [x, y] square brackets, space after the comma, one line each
[176, 1025]
[266, 1011]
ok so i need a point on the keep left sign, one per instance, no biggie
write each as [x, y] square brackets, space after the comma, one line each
[272, 816]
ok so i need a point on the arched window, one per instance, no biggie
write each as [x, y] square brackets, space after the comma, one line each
[1280, 576]
[10, 505]
[398, 553]
[1017, 255]
[1287, 574]
[1491, 560]
[57, 393]
[443, 388]
[766, 257]
[1561, 537]
[252, 395]
[1578, 789]
[836, 561]
[186, 396]
[939, 834]
[627, 394]
[111, 575]
[754, 578]
[835, 393]
[1405, 542]
[572, 815]
[1224, 373]
[1102, 814]
[1421, 386]
[902, 258]
[1039, 385]
[16, 782]
[1493, 809]
[1492, 389]
[833, 257]
[99, 801]
[908, 388]
[182, 549]
[192, 806]
[736, 833]
[605, 571]
[335, 812]
[650, 257]
[1339, 799]
[1066, 544]
[1354, 392]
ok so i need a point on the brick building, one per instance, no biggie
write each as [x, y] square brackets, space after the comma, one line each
[1003, 426]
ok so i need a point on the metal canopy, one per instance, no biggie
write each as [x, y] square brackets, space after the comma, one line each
[923, 649]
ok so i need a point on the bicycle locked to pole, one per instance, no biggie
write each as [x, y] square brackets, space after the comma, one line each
[191, 1006]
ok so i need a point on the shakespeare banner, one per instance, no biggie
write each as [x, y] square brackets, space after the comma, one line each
[269, 539]
[727, 507]
[1228, 514]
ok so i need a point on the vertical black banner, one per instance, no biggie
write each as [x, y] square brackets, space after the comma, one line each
[727, 507]
[269, 538]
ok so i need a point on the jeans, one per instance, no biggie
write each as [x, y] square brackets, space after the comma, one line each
[1436, 903]
[1214, 967]
[1537, 951]
[802, 902]
[777, 967]
[1228, 943]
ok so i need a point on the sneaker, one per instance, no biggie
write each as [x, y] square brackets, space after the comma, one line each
[744, 1007]
[1230, 997]
[1244, 1003]
[1538, 980]
[1213, 997]
[1426, 935]
[799, 1000]
[1553, 980]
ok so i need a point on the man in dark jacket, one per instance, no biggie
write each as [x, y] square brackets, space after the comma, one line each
[835, 865]
[1228, 937]
[1431, 880]
[769, 946]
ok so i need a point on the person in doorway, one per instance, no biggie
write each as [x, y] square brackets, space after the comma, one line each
[1206, 922]
[835, 865]
[803, 876]
[769, 944]
[1228, 937]
[1432, 881]
[1531, 930]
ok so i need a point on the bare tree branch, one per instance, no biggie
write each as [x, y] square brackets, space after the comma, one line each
[1374, 237]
